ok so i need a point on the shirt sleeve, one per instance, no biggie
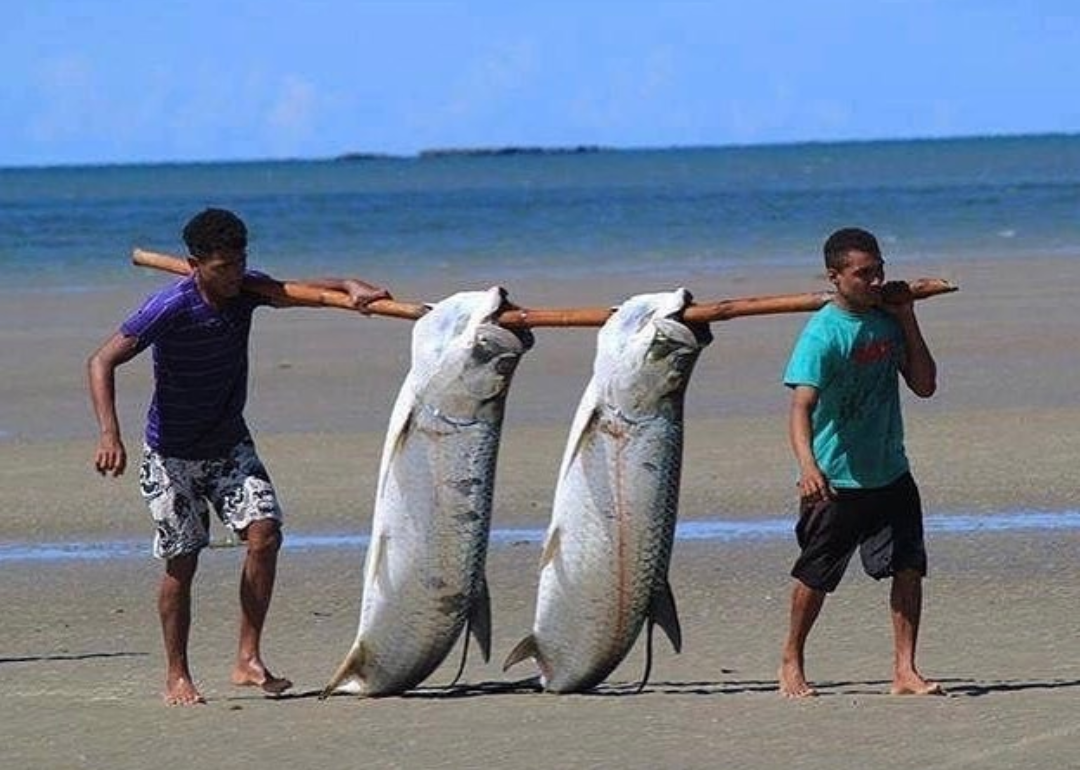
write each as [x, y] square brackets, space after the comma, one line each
[809, 363]
[251, 299]
[151, 320]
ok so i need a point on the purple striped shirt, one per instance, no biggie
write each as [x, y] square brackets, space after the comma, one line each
[200, 369]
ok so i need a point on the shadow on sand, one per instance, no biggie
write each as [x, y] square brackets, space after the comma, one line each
[954, 687]
[74, 656]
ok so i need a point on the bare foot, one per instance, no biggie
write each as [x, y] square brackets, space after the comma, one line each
[914, 684]
[793, 682]
[182, 692]
[255, 674]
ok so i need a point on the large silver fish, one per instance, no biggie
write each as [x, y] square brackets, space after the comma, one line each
[605, 559]
[424, 571]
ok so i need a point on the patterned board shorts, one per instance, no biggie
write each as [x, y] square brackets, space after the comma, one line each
[181, 492]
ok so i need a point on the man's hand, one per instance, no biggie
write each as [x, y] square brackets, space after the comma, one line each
[362, 294]
[897, 297]
[110, 457]
[814, 486]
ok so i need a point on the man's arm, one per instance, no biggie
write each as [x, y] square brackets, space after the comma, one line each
[918, 366]
[360, 292]
[110, 455]
[812, 482]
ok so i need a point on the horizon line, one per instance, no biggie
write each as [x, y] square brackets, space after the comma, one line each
[502, 150]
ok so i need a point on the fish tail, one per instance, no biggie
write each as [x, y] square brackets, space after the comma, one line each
[663, 612]
[350, 668]
[480, 620]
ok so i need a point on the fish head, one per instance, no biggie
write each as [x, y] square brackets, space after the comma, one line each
[646, 353]
[462, 358]
[493, 356]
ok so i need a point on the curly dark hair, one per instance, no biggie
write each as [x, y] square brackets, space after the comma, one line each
[848, 239]
[215, 230]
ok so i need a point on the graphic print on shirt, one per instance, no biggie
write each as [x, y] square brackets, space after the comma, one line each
[870, 361]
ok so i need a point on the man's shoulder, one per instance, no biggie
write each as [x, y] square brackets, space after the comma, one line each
[823, 324]
[251, 297]
[177, 293]
[813, 347]
[159, 308]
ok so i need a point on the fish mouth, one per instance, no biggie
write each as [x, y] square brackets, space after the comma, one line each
[494, 355]
[506, 364]
[500, 348]
[490, 323]
[690, 338]
[523, 335]
[498, 340]
[676, 331]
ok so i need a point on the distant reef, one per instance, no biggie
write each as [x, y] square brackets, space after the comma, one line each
[365, 156]
[580, 149]
[473, 152]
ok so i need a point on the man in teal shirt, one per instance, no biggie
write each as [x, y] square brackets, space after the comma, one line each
[847, 433]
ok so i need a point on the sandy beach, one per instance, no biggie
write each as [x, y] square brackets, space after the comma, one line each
[80, 652]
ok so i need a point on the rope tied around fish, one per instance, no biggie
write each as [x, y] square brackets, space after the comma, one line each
[518, 317]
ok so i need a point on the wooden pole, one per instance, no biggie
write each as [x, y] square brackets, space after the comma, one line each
[301, 293]
[705, 312]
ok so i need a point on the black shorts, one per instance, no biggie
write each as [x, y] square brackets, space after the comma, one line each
[885, 523]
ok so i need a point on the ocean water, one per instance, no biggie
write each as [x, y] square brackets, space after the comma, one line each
[648, 212]
[716, 530]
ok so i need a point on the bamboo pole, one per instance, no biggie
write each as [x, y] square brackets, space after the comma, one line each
[517, 317]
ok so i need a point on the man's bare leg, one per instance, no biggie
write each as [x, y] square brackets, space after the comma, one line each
[906, 605]
[256, 588]
[174, 609]
[806, 603]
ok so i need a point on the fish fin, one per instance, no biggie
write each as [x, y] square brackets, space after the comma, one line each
[375, 569]
[551, 547]
[524, 650]
[397, 434]
[479, 625]
[480, 620]
[662, 611]
[351, 668]
[586, 429]
[377, 572]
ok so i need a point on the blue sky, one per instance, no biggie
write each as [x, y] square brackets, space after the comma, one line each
[100, 81]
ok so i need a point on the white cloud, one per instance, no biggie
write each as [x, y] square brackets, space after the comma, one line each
[293, 114]
[490, 79]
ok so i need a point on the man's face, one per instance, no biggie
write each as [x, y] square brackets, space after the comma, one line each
[221, 274]
[858, 284]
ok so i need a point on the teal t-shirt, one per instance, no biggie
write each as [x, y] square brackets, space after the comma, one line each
[853, 360]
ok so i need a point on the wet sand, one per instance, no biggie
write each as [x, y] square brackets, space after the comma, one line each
[80, 652]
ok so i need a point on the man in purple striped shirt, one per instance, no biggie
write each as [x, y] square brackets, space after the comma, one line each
[198, 452]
